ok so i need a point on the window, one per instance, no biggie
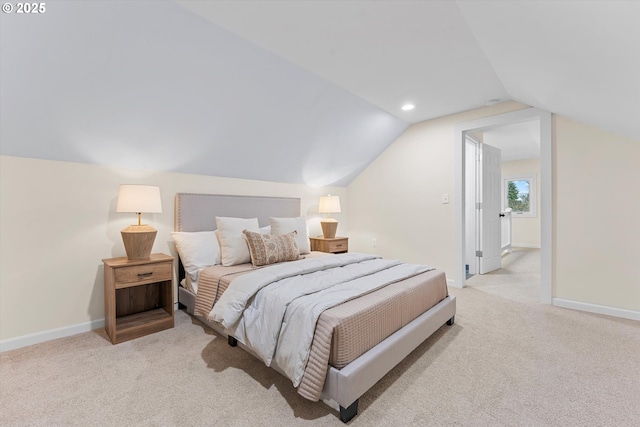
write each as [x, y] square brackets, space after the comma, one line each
[520, 195]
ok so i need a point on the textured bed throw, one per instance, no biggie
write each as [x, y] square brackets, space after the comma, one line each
[274, 310]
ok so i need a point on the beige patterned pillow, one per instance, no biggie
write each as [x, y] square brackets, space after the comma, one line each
[269, 249]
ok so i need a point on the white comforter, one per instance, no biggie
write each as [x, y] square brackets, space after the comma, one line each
[274, 310]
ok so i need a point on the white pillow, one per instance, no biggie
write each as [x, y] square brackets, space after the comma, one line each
[265, 230]
[197, 250]
[287, 225]
[233, 247]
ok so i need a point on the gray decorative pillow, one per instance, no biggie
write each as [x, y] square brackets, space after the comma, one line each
[269, 249]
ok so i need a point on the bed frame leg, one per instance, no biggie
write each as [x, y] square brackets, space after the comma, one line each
[347, 413]
[451, 321]
[232, 341]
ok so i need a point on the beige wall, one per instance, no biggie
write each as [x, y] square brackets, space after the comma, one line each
[397, 201]
[597, 229]
[58, 220]
[525, 231]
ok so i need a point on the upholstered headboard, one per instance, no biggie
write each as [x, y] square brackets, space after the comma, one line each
[197, 212]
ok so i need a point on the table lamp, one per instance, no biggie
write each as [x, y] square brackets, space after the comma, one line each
[329, 204]
[138, 239]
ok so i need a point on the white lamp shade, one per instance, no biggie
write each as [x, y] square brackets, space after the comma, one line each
[139, 199]
[329, 204]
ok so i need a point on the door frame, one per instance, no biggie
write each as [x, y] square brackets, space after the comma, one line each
[546, 191]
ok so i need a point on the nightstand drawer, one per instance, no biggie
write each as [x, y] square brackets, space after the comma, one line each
[143, 273]
[332, 245]
[339, 246]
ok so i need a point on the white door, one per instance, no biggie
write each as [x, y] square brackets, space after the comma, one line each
[471, 190]
[490, 207]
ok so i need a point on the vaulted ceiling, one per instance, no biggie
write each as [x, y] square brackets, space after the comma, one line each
[302, 92]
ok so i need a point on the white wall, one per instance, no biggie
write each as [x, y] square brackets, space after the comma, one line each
[525, 231]
[397, 201]
[58, 220]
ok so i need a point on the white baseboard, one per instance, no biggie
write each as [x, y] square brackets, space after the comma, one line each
[452, 283]
[525, 245]
[53, 334]
[595, 308]
[31, 339]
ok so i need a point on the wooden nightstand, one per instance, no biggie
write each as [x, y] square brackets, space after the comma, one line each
[138, 296]
[336, 245]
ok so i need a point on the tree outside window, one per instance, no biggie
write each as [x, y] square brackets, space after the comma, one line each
[520, 195]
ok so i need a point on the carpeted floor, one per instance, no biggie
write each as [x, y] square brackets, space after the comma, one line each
[508, 361]
[518, 279]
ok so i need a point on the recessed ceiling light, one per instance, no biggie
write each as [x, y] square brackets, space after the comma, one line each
[407, 107]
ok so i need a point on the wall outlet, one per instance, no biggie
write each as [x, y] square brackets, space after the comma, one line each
[374, 243]
[445, 198]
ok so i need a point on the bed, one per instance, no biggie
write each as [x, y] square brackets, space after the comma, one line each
[352, 344]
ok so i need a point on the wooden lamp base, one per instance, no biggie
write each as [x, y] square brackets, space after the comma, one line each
[329, 228]
[138, 241]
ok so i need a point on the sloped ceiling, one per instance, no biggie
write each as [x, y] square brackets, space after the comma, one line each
[301, 92]
[580, 59]
[152, 85]
[386, 52]
[576, 58]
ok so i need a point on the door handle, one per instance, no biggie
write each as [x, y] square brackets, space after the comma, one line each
[501, 215]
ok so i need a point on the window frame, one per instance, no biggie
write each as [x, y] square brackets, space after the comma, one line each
[533, 194]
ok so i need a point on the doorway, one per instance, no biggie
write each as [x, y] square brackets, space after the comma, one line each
[462, 129]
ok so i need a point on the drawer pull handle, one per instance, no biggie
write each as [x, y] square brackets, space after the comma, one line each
[145, 274]
[339, 246]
